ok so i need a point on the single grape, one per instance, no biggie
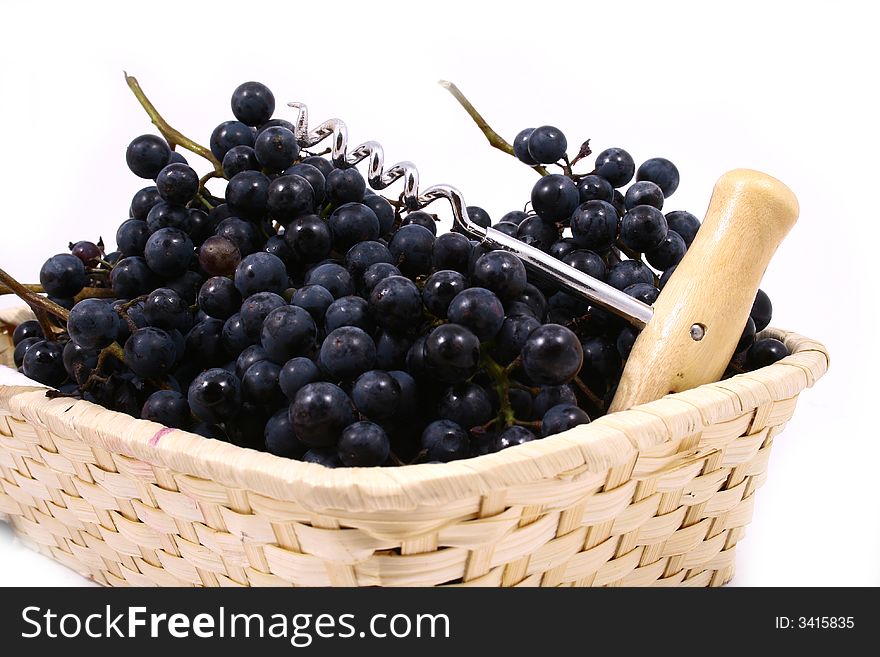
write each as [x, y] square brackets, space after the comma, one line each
[762, 311]
[554, 197]
[534, 299]
[421, 218]
[625, 341]
[352, 223]
[376, 394]
[29, 328]
[287, 332]
[665, 277]
[511, 436]
[521, 147]
[507, 228]
[204, 343]
[594, 225]
[168, 252]
[616, 166]
[668, 253]
[177, 183]
[345, 186]
[552, 355]
[214, 396]
[514, 217]
[93, 324]
[439, 290]
[131, 237]
[363, 444]
[334, 278]
[536, 232]
[391, 350]
[143, 200]
[478, 215]
[501, 272]
[167, 407]
[466, 404]
[627, 272]
[260, 272]
[762, 353]
[347, 352]
[63, 275]
[479, 310]
[452, 352]
[383, 210]
[643, 193]
[396, 303]
[315, 299]
[319, 414]
[88, 252]
[247, 194]
[252, 103]
[376, 273]
[238, 159]
[547, 144]
[259, 384]
[296, 373]
[219, 298]
[281, 439]
[234, 337]
[228, 135]
[165, 309]
[643, 228]
[326, 456]
[451, 251]
[276, 148]
[589, 262]
[349, 311]
[309, 238]
[661, 172]
[562, 418]
[364, 254]
[644, 292]
[147, 155]
[290, 196]
[445, 441]
[683, 223]
[412, 249]
[595, 188]
[79, 363]
[219, 256]
[43, 362]
[168, 215]
[150, 353]
[131, 277]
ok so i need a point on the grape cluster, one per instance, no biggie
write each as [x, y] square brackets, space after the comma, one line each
[304, 314]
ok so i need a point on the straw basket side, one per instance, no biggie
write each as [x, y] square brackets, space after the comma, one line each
[657, 495]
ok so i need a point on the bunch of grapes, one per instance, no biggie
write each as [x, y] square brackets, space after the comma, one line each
[306, 315]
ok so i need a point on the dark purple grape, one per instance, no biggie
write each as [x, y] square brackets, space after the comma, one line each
[229, 134]
[513, 335]
[219, 298]
[661, 172]
[165, 309]
[332, 277]
[554, 197]
[177, 183]
[214, 396]
[168, 215]
[93, 324]
[252, 103]
[644, 292]
[243, 234]
[345, 186]
[131, 237]
[552, 355]
[63, 275]
[167, 407]
[349, 311]
[143, 200]
[466, 404]
[451, 251]
[594, 225]
[376, 394]
[256, 308]
[439, 290]
[412, 249]
[287, 332]
[511, 436]
[562, 418]
[396, 303]
[501, 272]
[616, 166]
[316, 299]
[43, 361]
[421, 218]
[547, 144]
[364, 445]
[347, 352]
[309, 238]
[521, 147]
[290, 196]
[281, 439]
[383, 210]
[628, 272]
[762, 353]
[551, 396]
[589, 262]
[260, 272]
[131, 277]
[747, 339]
[452, 353]
[479, 310]
[29, 328]
[247, 194]
[314, 177]
[296, 373]
[276, 148]
[683, 223]
[595, 188]
[643, 193]
[668, 253]
[219, 256]
[168, 252]
[351, 223]
[259, 385]
[643, 228]
[147, 155]
[445, 441]
[150, 353]
[762, 311]
[238, 159]
[204, 343]
[319, 414]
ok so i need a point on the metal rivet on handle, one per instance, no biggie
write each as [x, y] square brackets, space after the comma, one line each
[698, 332]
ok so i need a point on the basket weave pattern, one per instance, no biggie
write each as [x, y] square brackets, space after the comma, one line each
[658, 495]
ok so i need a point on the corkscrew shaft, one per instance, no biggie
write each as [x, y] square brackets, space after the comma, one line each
[379, 177]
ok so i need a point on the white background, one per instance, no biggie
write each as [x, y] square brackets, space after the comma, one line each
[781, 87]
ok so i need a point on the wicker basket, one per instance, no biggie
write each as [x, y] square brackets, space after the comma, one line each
[657, 495]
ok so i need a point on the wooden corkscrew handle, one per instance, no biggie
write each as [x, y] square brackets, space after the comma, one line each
[699, 317]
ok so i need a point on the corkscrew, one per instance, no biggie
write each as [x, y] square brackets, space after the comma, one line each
[379, 177]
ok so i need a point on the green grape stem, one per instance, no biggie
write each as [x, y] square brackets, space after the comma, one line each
[172, 136]
[494, 139]
[501, 383]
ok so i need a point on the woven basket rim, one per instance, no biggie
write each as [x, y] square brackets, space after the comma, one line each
[609, 441]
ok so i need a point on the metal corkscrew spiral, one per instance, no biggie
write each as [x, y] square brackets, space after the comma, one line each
[379, 177]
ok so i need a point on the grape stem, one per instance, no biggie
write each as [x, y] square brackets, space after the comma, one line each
[502, 388]
[494, 139]
[41, 306]
[172, 136]
[628, 252]
[589, 394]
